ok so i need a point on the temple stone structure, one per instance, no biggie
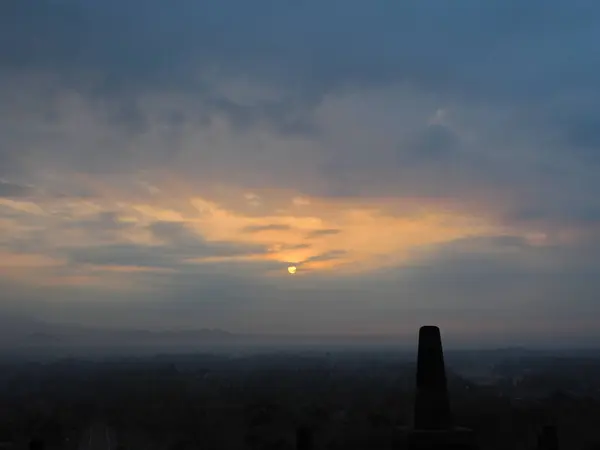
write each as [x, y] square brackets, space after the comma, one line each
[433, 427]
[304, 438]
[548, 438]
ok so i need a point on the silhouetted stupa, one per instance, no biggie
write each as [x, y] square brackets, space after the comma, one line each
[433, 425]
[304, 439]
[432, 406]
[36, 444]
[548, 438]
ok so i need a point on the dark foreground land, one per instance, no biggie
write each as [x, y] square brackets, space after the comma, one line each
[348, 399]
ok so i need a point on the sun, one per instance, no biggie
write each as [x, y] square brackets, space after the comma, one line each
[292, 270]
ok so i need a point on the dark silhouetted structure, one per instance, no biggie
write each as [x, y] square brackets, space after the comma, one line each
[304, 439]
[433, 425]
[548, 438]
[432, 405]
[36, 444]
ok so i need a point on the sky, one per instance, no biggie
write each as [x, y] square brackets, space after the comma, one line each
[162, 164]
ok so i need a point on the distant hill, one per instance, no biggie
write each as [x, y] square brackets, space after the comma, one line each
[77, 336]
[23, 336]
[177, 334]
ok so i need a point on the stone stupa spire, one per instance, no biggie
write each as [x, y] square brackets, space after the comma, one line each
[432, 405]
[433, 424]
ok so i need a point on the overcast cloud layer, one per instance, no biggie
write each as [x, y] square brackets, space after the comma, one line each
[162, 164]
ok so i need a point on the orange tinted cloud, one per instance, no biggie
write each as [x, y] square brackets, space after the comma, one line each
[318, 235]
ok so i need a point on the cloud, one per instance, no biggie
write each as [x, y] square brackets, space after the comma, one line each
[180, 245]
[323, 232]
[104, 223]
[324, 257]
[435, 143]
[13, 190]
[123, 255]
[270, 227]
[479, 55]
[421, 156]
